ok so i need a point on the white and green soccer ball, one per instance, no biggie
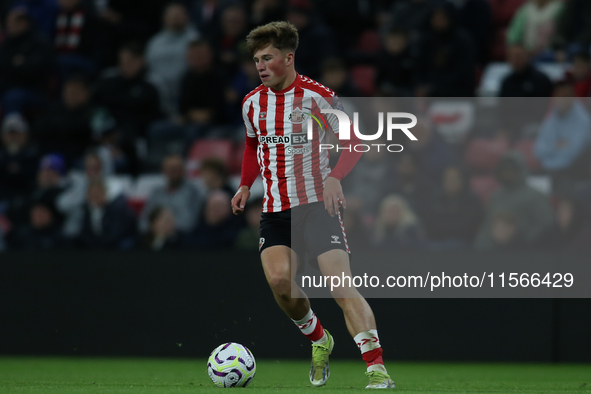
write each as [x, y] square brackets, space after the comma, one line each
[231, 365]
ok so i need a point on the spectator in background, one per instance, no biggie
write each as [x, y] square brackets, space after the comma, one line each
[397, 65]
[315, 40]
[533, 25]
[408, 182]
[25, 58]
[582, 73]
[265, 11]
[214, 174]
[532, 210]
[335, 77]
[66, 128]
[412, 16]
[71, 201]
[525, 80]
[41, 12]
[573, 28]
[397, 226]
[571, 227]
[455, 214]
[248, 237]
[475, 16]
[357, 234]
[366, 184]
[504, 234]
[49, 185]
[18, 158]
[565, 133]
[162, 234]
[128, 95]
[431, 150]
[206, 15]
[202, 90]
[246, 79]
[41, 232]
[107, 224]
[447, 57]
[128, 21]
[166, 55]
[219, 228]
[180, 196]
[230, 42]
[77, 39]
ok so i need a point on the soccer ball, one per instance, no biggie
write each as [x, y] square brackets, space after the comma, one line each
[231, 365]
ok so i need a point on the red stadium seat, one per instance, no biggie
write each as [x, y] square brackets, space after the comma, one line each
[136, 205]
[205, 149]
[526, 147]
[483, 186]
[369, 42]
[237, 154]
[484, 154]
[364, 78]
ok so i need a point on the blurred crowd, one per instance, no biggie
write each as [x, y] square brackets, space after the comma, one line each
[96, 91]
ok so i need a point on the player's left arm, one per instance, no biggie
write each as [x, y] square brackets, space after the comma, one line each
[333, 191]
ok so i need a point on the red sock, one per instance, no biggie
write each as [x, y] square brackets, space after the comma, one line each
[369, 345]
[373, 357]
[310, 326]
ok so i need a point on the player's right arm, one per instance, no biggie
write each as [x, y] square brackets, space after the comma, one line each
[249, 172]
[250, 166]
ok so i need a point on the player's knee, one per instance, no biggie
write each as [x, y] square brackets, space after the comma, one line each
[344, 295]
[280, 284]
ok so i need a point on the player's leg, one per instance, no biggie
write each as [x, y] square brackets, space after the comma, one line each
[277, 266]
[359, 317]
[277, 262]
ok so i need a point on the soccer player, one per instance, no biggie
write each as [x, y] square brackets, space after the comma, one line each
[301, 190]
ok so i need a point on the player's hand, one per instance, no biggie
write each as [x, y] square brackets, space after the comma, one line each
[239, 200]
[333, 195]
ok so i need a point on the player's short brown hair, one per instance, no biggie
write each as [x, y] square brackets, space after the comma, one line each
[282, 35]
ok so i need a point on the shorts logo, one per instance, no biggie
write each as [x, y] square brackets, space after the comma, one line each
[335, 239]
[261, 243]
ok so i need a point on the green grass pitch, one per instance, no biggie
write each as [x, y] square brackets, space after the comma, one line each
[156, 376]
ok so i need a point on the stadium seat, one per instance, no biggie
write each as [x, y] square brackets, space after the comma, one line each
[484, 154]
[364, 78]
[483, 186]
[205, 149]
[454, 118]
[136, 205]
[526, 147]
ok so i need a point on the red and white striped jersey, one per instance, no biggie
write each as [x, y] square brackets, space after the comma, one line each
[292, 167]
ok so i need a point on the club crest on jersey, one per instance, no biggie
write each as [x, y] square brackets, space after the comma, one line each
[263, 115]
[297, 116]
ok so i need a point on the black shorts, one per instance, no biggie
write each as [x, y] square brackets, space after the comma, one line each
[315, 231]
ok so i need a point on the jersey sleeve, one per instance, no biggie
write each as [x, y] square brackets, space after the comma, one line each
[247, 112]
[349, 156]
[330, 101]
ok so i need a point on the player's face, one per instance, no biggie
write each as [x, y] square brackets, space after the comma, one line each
[272, 65]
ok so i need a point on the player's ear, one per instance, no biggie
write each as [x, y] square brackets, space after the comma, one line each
[289, 59]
